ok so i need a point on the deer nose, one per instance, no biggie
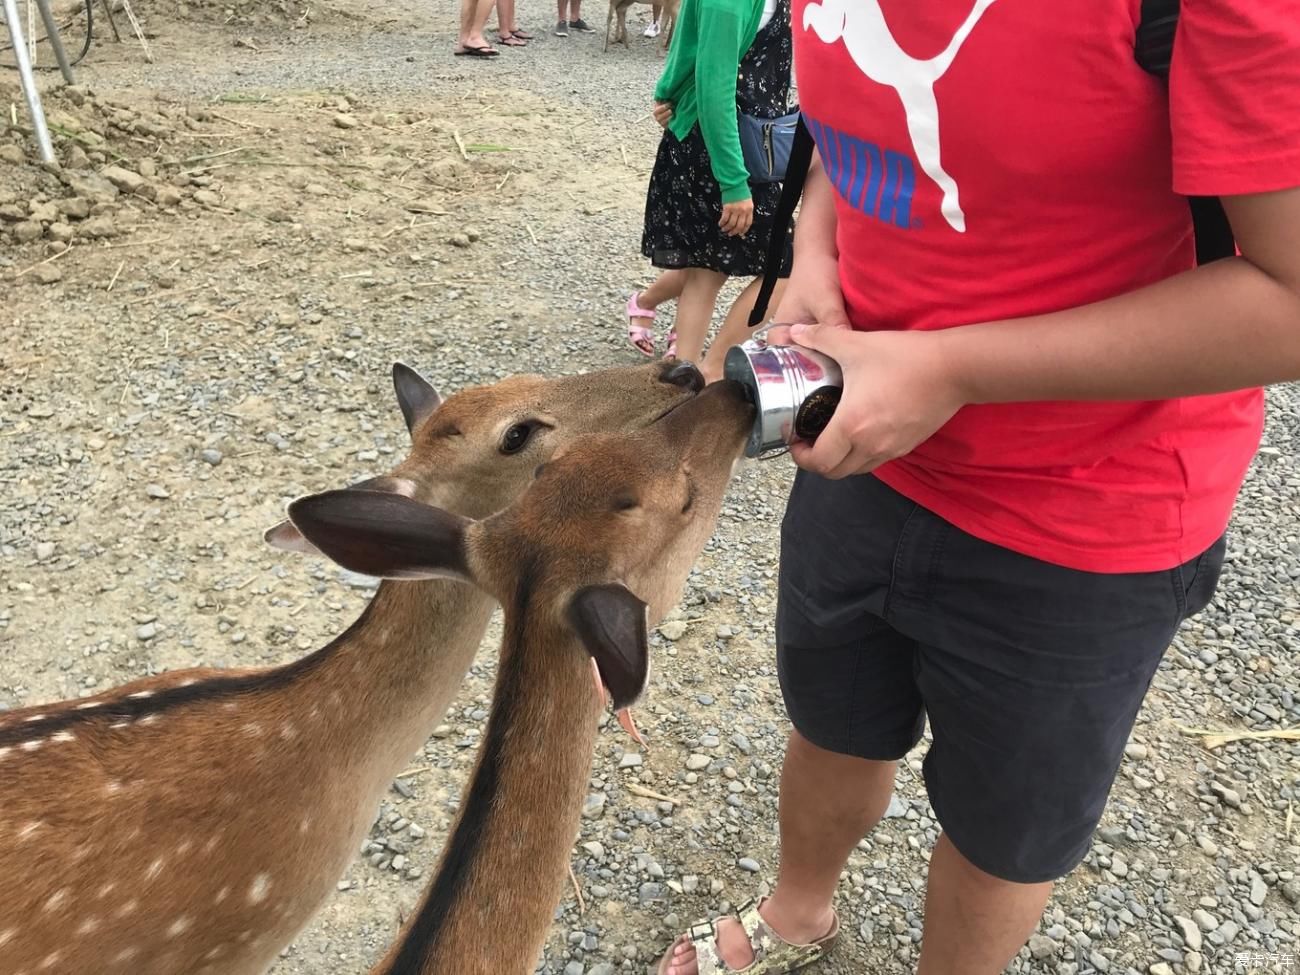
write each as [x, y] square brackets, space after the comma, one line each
[683, 374]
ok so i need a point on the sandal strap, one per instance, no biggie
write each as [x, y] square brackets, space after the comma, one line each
[773, 955]
[634, 309]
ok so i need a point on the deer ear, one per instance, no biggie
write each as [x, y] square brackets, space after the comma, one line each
[415, 395]
[384, 535]
[286, 537]
[611, 623]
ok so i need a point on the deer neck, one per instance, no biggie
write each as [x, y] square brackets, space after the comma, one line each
[490, 905]
[387, 682]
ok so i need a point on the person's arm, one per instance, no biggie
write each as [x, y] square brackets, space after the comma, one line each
[717, 61]
[1233, 324]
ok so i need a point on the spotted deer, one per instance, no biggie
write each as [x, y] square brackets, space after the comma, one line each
[192, 823]
[588, 558]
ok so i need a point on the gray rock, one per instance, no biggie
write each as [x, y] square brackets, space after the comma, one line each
[630, 760]
[695, 763]
[1258, 889]
[211, 456]
[897, 807]
[595, 849]
[157, 492]
[1041, 946]
[124, 179]
[673, 630]
[1204, 919]
[1161, 968]
[1190, 930]
[146, 632]
[650, 892]
[44, 550]
[594, 806]
[748, 864]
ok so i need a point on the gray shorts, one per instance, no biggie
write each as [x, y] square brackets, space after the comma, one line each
[1030, 674]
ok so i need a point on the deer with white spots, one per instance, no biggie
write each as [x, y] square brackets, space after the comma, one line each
[192, 823]
[592, 555]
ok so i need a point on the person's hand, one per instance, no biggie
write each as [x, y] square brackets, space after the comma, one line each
[899, 388]
[737, 218]
[663, 113]
[812, 295]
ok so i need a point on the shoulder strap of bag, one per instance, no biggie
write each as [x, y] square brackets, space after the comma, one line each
[796, 171]
[1154, 49]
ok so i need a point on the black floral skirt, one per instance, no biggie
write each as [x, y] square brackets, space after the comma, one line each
[682, 209]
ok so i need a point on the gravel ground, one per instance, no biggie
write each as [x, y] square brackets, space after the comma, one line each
[218, 341]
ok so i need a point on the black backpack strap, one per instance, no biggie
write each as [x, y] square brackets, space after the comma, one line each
[796, 171]
[1154, 48]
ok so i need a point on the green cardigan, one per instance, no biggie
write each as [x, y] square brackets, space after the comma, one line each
[699, 79]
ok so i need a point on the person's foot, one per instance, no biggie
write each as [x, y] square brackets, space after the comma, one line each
[734, 946]
[652, 30]
[562, 29]
[508, 39]
[581, 26]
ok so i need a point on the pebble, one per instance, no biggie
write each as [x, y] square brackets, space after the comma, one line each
[1190, 930]
[157, 491]
[1135, 751]
[1161, 968]
[1041, 946]
[595, 849]
[594, 806]
[1258, 890]
[630, 760]
[748, 864]
[1204, 919]
[574, 968]
[211, 456]
[44, 550]
[345, 121]
[697, 762]
[672, 630]
[1207, 845]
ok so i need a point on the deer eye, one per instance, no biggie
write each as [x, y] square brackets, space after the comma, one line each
[517, 437]
[625, 502]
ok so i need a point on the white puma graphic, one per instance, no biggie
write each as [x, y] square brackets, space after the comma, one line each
[861, 25]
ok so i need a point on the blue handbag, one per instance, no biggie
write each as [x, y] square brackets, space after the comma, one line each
[765, 143]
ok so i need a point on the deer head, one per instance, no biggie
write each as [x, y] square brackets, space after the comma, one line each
[604, 536]
[475, 451]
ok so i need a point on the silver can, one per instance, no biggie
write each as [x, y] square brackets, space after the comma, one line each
[795, 391]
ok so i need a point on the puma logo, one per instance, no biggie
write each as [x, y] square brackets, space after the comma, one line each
[861, 25]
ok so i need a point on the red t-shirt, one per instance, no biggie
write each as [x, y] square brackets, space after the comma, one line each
[995, 159]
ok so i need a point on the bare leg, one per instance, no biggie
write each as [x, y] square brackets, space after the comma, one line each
[473, 18]
[828, 803]
[974, 922]
[695, 311]
[735, 328]
[505, 17]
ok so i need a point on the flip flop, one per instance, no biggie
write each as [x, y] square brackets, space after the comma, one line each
[511, 40]
[642, 339]
[523, 35]
[477, 52]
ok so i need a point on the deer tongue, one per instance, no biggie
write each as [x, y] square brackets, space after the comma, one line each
[624, 715]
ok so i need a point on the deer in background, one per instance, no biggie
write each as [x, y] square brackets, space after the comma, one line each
[194, 822]
[618, 11]
[592, 554]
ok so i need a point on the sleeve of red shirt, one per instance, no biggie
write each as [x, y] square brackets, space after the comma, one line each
[1234, 97]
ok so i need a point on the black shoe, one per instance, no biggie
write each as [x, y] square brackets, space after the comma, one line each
[562, 29]
[582, 25]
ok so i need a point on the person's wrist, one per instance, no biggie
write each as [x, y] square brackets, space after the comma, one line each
[955, 367]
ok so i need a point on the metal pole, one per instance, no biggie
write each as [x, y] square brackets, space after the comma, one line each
[28, 81]
[52, 32]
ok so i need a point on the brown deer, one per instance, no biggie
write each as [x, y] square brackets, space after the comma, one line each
[590, 556]
[193, 822]
[618, 9]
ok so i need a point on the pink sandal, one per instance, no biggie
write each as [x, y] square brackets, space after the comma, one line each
[671, 352]
[641, 337]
